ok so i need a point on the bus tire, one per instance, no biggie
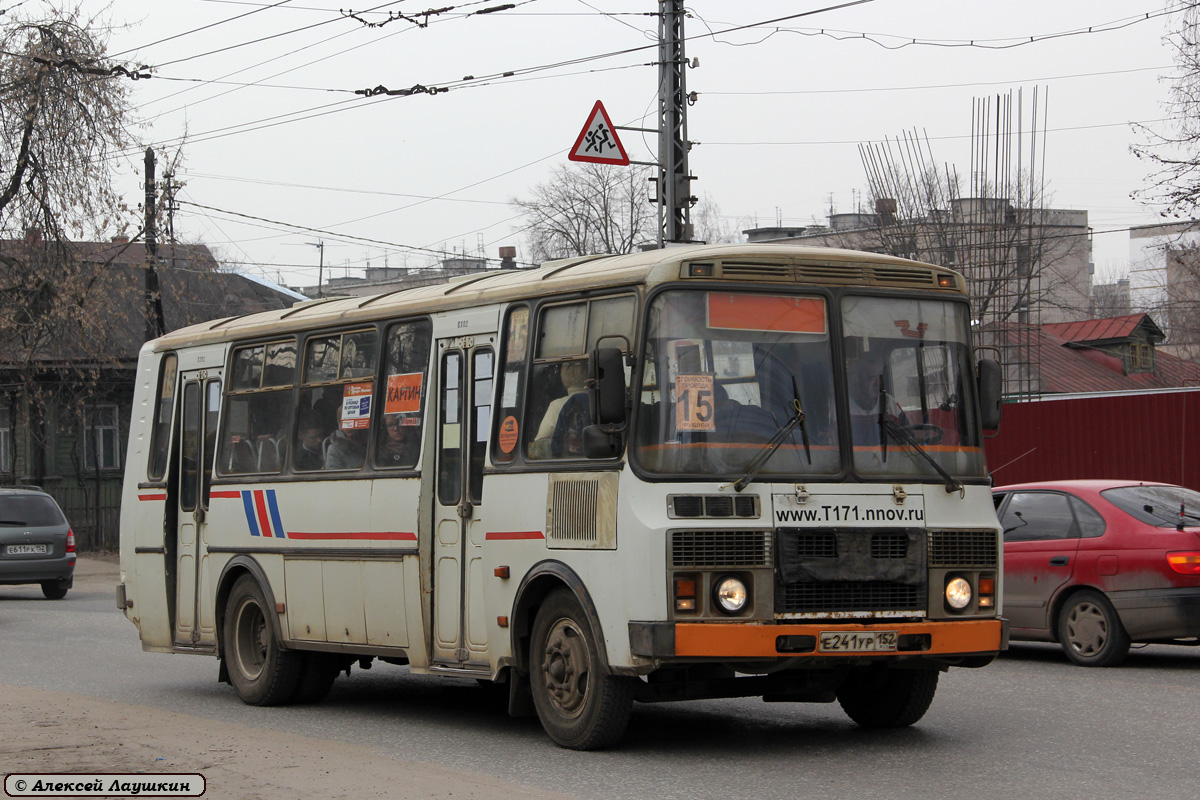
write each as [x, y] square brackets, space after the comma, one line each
[892, 698]
[580, 705]
[318, 671]
[262, 673]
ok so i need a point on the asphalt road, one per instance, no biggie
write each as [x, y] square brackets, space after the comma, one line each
[1030, 725]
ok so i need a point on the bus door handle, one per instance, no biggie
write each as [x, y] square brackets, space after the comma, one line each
[1060, 561]
[198, 515]
[465, 510]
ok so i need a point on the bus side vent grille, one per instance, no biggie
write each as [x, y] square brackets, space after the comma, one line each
[701, 549]
[903, 275]
[581, 512]
[963, 549]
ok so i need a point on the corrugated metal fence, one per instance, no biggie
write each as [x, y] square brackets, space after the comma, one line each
[1146, 436]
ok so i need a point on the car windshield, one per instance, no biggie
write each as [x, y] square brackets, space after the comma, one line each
[911, 401]
[725, 373]
[29, 510]
[1157, 505]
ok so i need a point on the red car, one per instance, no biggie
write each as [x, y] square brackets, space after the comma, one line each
[1099, 564]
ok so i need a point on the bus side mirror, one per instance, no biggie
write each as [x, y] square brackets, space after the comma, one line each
[990, 381]
[607, 370]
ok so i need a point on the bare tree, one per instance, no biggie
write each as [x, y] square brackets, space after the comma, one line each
[588, 208]
[1174, 153]
[712, 227]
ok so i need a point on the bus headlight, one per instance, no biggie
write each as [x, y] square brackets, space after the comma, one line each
[958, 593]
[730, 594]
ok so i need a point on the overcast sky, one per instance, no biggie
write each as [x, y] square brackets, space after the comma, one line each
[264, 93]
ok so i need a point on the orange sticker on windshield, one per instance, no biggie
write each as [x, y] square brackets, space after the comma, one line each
[766, 312]
[694, 403]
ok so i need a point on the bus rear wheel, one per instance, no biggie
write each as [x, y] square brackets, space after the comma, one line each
[580, 706]
[262, 672]
[891, 698]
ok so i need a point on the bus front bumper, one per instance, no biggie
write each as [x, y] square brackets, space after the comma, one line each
[773, 640]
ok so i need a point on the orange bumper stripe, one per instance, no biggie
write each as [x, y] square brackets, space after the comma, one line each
[733, 640]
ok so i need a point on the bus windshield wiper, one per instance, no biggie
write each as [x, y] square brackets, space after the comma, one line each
[902, 434]
[797, 418]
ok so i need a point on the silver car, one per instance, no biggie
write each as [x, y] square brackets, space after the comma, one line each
[37, 544]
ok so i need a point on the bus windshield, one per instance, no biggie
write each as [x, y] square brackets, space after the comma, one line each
[911, 400]
[725, 372]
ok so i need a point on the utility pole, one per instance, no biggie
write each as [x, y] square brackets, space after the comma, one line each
[320, 245]
[155, 323]
[674, 183]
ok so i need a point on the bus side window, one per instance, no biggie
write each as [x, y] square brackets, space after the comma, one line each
[513, 358]
[258, 409]
[161, 443]
[398, 439]
[335, 401]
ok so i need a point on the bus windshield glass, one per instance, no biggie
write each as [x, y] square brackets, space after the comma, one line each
[909, 387]
[724, 375]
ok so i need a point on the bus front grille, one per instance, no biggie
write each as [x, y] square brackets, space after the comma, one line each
[842, 596]
[703, 549]
[963, 549]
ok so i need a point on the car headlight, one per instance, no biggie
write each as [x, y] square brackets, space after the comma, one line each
[731, 594]
[958, 593]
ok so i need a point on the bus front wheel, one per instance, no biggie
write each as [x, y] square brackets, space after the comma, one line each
[262, 673]
[891, 698]
[580, 706]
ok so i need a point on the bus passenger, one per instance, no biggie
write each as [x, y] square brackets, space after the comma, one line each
[399, 443]
[347, 448]
[309, 439]
[560, 434]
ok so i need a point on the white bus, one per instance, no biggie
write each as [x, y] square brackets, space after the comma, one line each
[710, 471]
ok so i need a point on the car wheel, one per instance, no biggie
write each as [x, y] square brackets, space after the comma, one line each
[262, 673]
[892, 698]
[1090, 632]
[55, 590]
[580, 706]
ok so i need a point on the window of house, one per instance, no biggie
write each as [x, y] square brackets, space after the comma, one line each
[5, 439]
[1141, 357]
[101, 438]
[258, 409]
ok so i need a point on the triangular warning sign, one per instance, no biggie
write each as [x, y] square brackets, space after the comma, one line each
[598, 142]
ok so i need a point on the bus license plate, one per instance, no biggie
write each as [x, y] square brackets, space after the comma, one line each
[858, 641]
[22, 549]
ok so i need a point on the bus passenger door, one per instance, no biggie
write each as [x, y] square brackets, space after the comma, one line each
[200, 401]
[464, 414]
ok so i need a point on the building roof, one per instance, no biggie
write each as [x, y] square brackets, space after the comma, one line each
[1070, 366]
[1105, 330]
[108, 281]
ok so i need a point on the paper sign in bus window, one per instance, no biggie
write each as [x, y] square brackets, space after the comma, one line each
[403, 393]
[694, 403]
[356, 406]
[766, 312]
